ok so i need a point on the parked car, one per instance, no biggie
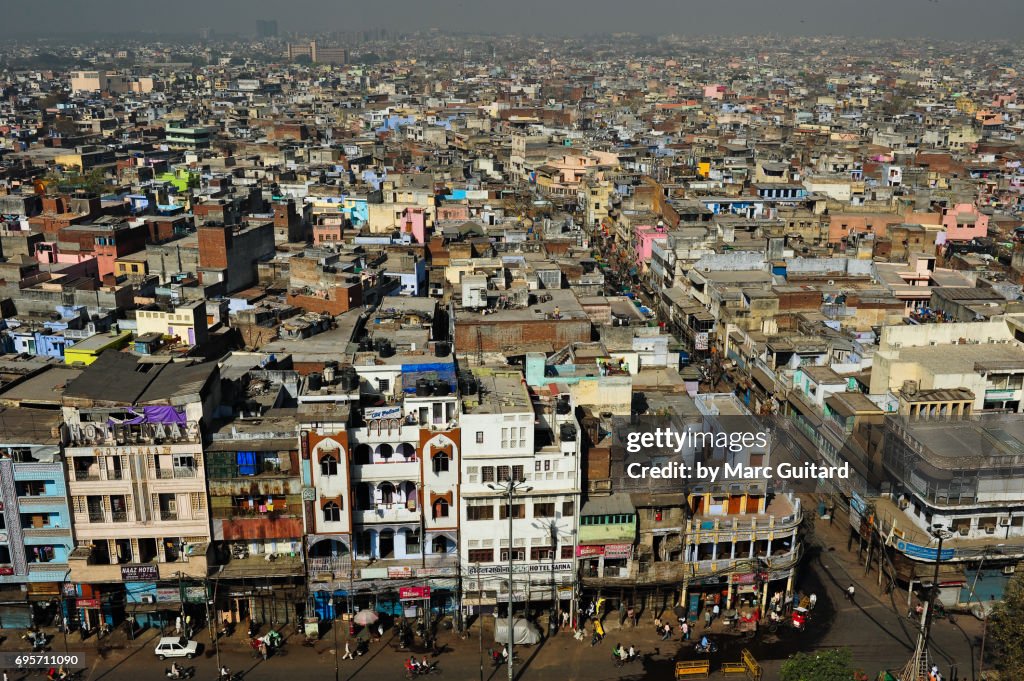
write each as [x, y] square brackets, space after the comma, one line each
[175, 646]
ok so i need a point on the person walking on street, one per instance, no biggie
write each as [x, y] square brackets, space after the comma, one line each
[715, 612]
[707, 617]
[666, 632]
[850, 591]
[348, 653]
[685, 627]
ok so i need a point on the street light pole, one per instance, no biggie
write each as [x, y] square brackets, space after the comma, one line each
[941, 534]
[510, 488]
[65, 615]
[334, 631]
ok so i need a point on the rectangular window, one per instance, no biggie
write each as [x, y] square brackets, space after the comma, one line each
[383, 385]
[479, 437]
[480, 513]
[518, 511]
[542, 553]
[568, 507]
[412, 543]
[545, 510]
[536, 466]
[517, 554]
[503, 473]
[547, 464]
[481, 555]
[567, 553]
[487, 474]
[518, 473]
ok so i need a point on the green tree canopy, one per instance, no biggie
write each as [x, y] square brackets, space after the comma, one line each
[826, 665]
[1006, 631]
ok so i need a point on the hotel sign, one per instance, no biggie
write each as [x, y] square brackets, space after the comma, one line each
[533, 568]
[125, 433]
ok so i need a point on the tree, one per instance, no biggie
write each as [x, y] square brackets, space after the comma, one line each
[828, 665]
[1006, 631]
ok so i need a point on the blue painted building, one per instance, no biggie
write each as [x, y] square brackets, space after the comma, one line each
[36, 538]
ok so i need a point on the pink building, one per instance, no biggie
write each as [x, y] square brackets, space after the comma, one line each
[329, 230]
[414, 221]
[644, 237]
[964, 222]
[714, 92]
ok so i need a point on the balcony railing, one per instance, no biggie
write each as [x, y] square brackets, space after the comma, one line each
[168, 515]
[97, 517]
[119, 516]
[176, 473]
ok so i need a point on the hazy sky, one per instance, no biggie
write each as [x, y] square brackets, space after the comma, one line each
[963, 19]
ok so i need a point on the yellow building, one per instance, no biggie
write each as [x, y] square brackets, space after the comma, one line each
[87, 351]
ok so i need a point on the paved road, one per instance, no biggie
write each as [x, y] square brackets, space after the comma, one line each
[875, 628]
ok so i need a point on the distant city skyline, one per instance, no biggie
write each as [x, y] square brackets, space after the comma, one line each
[939, 19]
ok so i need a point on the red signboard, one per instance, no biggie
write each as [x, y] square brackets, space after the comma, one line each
[6, 571]
[88, 602]
[618, 550]
[414, 593]
[588, 551]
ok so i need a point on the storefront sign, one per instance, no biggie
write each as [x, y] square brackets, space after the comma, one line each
[618, 550]
[6, 571]
[382, 413]
[519, 569]
[88, 603]
[167, 594]
[414, 593]
[69, 590]
[140, 573]
[195, 594]
[612, 551]
[399, 572]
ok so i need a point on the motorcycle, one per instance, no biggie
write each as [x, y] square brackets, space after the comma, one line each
[183, 673]
[431, 668]
[709, 649]
[497, 659]
[619, 662]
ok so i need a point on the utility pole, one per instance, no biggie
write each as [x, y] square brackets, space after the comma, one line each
[509, 489]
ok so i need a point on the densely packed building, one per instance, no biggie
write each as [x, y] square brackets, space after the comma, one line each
[282, 323]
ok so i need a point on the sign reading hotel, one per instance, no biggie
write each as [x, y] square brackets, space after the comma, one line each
[154, 424]
[519, 569]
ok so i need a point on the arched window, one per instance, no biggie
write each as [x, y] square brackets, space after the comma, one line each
[328, 465]
[440, 544]
[441, 462]
[441, 508]
[332, 512]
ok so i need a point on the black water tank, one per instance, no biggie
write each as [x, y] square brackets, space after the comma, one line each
[567, 432]
[315, 382]
[386, 349]
[563, 406]
[424, 388]
[441, 388]
[442, 349]
[349, 379]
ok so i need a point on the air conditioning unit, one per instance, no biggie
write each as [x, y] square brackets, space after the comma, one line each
[1004, 522]
[147, 599]
[990, 529]
[964, 531]
[1009, 569]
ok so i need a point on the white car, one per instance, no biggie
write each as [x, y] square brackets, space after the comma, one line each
[175, 646]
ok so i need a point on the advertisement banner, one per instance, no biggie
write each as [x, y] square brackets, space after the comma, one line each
[414, 593]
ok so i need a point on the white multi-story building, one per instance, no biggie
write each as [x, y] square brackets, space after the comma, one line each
[384, 480]
[509, 438]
